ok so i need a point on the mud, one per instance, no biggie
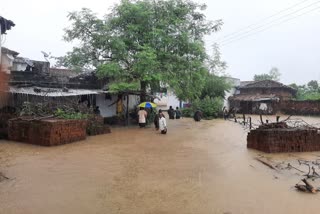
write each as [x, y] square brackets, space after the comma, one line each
[196, 168]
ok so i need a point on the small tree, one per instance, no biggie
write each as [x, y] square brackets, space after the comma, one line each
[313, 85]
[273, 74]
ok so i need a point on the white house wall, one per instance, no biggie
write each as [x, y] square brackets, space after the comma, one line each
[108, 111]
[234, 84]
[167, 100]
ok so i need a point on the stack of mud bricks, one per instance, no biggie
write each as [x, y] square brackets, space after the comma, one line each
[47, 132]
[284, 140]
[96, 126]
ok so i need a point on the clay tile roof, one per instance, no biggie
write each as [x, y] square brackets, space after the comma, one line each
[266, 84]
[5, 50]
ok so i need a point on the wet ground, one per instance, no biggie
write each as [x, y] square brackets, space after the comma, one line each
[196, 168]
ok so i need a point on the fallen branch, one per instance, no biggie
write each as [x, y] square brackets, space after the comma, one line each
[309, 186]
[3, 176]
[266, 163]
[301, 187]
[286, 119]
[315, 173]
[292, 167]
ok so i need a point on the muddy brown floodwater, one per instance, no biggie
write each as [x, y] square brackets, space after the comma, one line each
[196, 168]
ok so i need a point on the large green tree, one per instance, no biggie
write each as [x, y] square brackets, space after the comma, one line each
[142, 43]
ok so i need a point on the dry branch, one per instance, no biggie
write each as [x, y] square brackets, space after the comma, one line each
[266, 163]
[309, 186]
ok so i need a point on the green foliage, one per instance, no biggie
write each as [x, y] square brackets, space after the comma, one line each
[114, 87]
[311, 91]
[145, 42]
[210, 107]
[313, 85]
[61, 114]
[273, 74]
[214, 86]
[187, 112]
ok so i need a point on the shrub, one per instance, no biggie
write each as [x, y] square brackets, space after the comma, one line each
[187, 112]
[59, 113]
[210, 107]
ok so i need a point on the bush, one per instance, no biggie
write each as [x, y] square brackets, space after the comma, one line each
[59, 113]
[187, 112]
[210, 107]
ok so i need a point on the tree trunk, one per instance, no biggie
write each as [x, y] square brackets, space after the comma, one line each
[143, 86]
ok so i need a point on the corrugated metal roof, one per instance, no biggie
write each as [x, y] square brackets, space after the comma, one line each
[53, 92]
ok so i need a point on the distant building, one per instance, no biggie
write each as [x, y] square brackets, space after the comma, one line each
[255, 97]
[165, 99]
[234, 83]
[7, 58]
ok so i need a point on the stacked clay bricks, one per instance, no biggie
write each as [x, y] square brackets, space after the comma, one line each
[284, 140]
[48, 132]
[96, 126]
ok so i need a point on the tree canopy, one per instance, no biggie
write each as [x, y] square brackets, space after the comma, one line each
[142, 43]
[310, 91]
[273, 74]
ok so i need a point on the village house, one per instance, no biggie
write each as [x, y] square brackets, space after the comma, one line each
[260, 97]
[35, 82]
[166, 98]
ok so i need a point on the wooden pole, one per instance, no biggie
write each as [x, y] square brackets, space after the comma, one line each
[250, 123]
[244, 119]
[127, 116]
[261, 119]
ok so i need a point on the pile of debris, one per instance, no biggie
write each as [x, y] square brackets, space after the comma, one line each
[308, 179]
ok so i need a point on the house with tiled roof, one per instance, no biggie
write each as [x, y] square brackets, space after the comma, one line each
[255, 97]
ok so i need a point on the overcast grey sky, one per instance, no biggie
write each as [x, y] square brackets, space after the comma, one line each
[293, 47]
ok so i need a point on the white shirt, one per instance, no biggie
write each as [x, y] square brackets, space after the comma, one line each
[162, 123]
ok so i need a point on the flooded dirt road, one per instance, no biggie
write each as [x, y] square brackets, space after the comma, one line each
[197, 168]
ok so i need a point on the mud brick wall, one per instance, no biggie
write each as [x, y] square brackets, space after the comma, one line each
[294, 107]
[284, 140]
[47, 132]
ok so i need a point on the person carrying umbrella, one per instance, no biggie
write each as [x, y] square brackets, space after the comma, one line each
[142, 114]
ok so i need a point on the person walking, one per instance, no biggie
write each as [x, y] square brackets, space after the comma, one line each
[171, 113]
[142, 117]
[197, 115]
[156, 119]
[178, 113]
[162, 124]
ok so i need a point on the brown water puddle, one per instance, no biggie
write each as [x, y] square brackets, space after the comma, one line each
[196, 168]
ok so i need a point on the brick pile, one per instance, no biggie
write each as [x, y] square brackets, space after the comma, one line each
[96, 126]
[276, 140]
[49, 132]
